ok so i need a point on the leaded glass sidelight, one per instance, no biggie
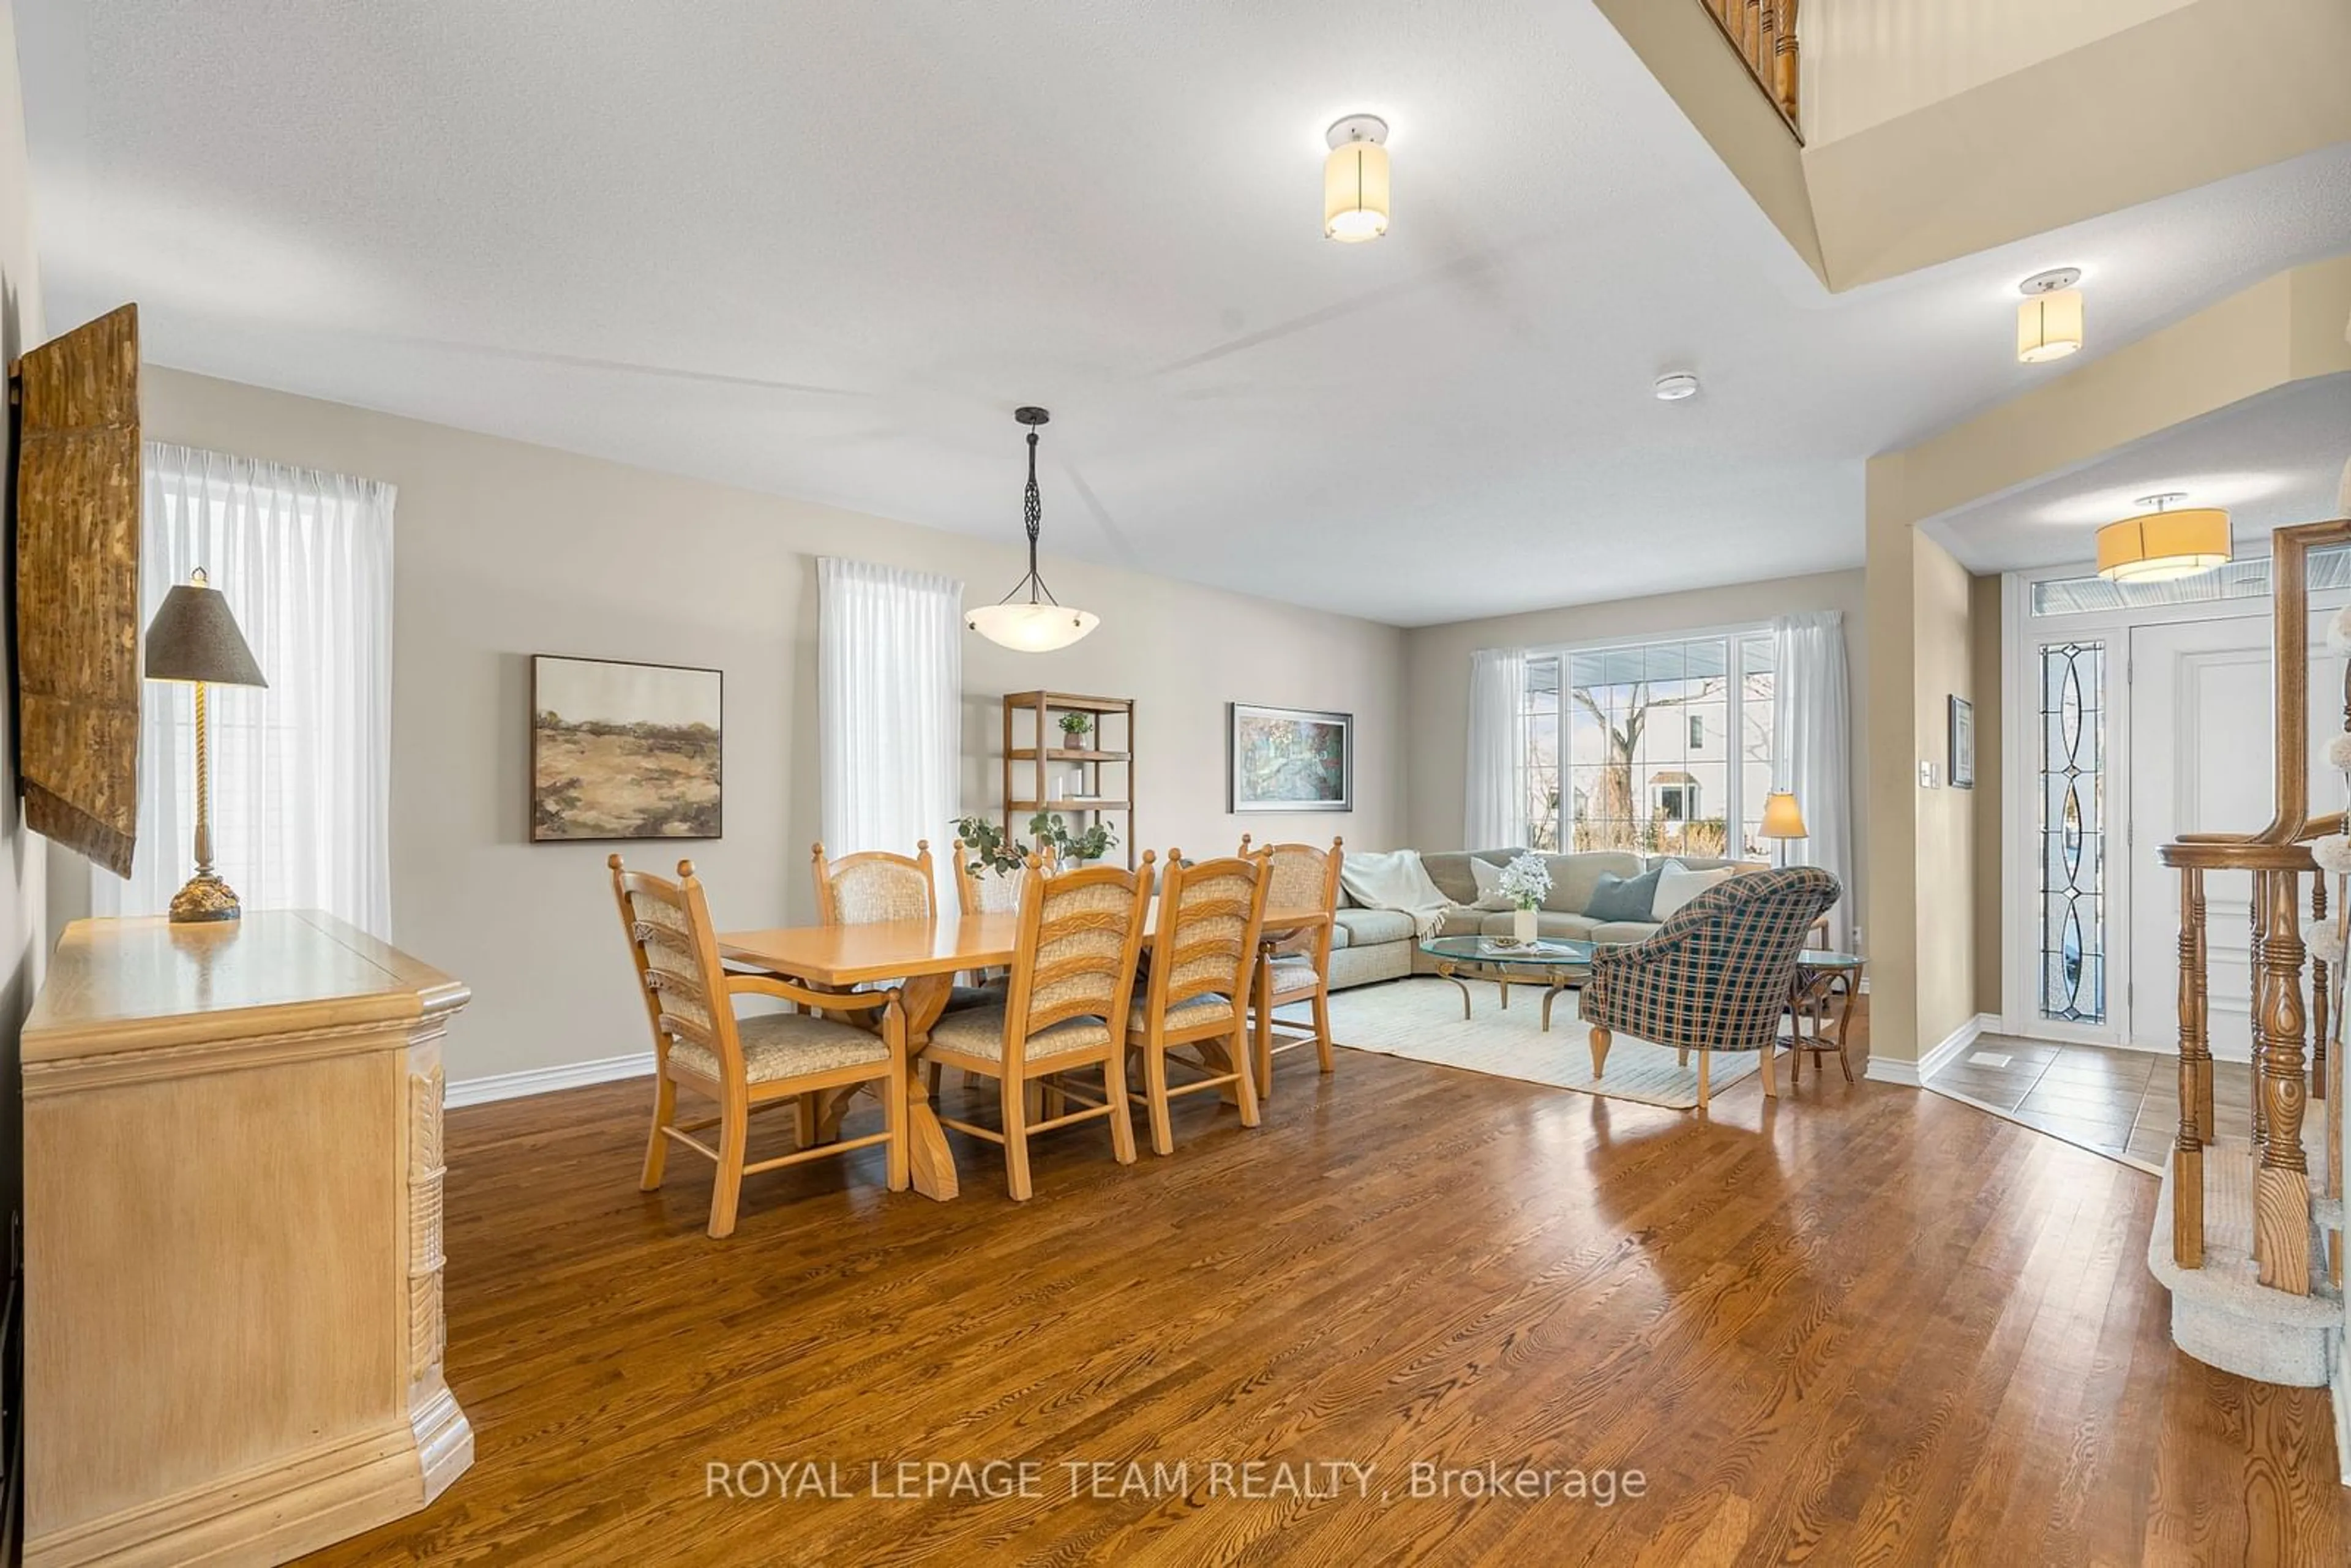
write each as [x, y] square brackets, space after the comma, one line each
[2072, 832]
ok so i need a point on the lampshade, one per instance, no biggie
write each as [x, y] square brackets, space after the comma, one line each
[194, 638]
[2049, 326]
[1031, 628]
[2160, 547]
[1780, 818]
[1355, 180]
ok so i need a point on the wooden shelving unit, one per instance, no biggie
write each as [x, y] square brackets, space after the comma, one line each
[1102, 778]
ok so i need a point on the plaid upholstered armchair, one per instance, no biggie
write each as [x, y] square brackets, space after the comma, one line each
[1716, 976]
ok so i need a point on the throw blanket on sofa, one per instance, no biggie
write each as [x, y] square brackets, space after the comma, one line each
[1395, 880]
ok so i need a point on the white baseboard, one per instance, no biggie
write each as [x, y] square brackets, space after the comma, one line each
[543, 1080]
[1912, 1074]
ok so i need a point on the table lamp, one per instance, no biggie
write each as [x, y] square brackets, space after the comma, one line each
[194, 638]
[1781, 821]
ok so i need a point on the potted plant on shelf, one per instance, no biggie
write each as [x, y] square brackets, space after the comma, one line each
[1526, 881]
[1074, 727]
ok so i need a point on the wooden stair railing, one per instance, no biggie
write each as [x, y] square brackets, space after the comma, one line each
[2276, 859]
[1763, 34]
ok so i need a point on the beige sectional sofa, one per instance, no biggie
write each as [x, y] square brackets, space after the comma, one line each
[1378, 944]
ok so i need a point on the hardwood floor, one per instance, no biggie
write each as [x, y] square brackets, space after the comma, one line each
[1868, 1325]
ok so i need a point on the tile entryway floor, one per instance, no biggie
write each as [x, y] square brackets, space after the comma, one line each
[2121, 1104]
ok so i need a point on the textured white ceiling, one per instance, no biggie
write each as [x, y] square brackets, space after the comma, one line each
[2269, 461]
[824, 250]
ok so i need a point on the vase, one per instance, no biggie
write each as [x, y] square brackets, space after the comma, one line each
[1522, 926]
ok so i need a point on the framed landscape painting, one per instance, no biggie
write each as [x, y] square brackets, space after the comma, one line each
[1291, 760]
[624, 751]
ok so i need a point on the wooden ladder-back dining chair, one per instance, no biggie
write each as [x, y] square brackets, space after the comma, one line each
[751, 1065]
[859, 889]
[875, 884]
[1065, 1008]
[1203, 956]
[1295, 965]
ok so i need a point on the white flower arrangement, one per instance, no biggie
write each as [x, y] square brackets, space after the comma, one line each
[1525, 880]
[2338, 629]
[2332, 853]
[2339, 753]
[2324, 938]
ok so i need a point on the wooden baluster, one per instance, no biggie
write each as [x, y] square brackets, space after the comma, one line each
[2281, 1181]
[2195, 1080]
[2260, 924]
[1783, 59]
[2320, 998]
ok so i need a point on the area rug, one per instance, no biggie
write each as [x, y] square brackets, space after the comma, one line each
[1421, 1019]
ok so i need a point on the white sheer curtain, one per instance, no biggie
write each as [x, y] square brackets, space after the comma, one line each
[1494, 783]
[1812, 748]
[301, 768]
[889, 675]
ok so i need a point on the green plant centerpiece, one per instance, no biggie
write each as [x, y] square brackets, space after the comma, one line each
[1074, 727]
[1069, 848]
[984, 842]
[991, 852]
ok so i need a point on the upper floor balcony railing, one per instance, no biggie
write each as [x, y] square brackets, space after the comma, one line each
[1763, 32]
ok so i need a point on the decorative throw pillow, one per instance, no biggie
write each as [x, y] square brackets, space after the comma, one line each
[1676, 886]
[1489, 892]
[1617, 897]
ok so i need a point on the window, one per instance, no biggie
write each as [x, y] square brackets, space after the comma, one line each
[301, 770]
[2071, 819]
[1623, 756]
[1540, 715]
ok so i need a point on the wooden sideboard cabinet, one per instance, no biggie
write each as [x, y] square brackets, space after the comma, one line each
[232, 1345]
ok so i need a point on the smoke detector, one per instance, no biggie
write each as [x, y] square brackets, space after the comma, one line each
[1674, 387]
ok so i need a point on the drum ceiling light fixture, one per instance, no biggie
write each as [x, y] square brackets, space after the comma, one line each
[1355, 180]
[2160, 546]
[2049, 322]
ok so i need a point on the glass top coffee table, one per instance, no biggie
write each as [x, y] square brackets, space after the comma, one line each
[1556, 963]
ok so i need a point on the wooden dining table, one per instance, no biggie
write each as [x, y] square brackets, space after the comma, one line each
[922, 958]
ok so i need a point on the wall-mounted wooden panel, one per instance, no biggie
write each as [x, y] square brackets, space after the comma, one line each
[77, 497]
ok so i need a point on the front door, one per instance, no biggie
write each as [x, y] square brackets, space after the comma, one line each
[2201, 762]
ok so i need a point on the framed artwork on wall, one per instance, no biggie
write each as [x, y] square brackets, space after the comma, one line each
[622, 750]
[1290, 760]
[1963, 744]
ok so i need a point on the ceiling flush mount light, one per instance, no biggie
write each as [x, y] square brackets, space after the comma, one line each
[2160, 546]
[1355, 180]
[1674, 387]
[2049, 322]
[1039, 623]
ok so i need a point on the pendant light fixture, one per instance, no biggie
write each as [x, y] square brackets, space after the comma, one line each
[1039, 623]
[2049, 322]
[1355, 180]
[2160, 546]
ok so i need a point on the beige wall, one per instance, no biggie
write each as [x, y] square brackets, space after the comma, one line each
[23, 949]
[505, 550]
[1984, 623]
[1868, 61]
[1943, 667]
[1436, 675]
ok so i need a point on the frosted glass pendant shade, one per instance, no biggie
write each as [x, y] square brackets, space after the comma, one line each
[1031, 628]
